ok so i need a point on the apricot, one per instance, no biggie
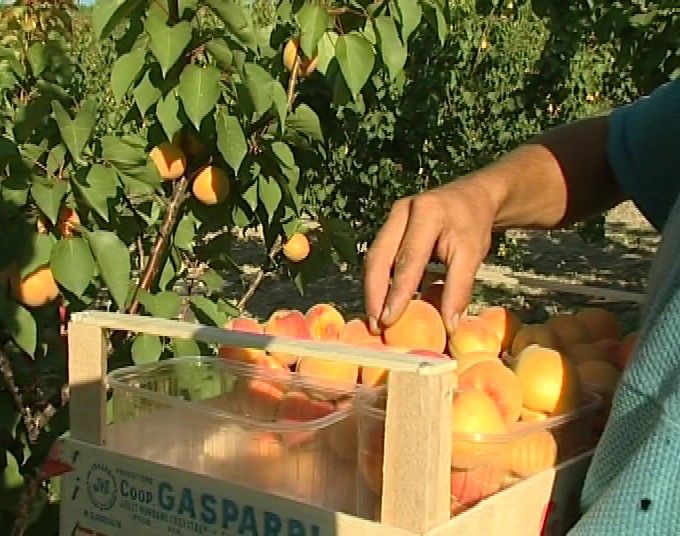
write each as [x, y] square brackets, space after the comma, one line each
[499, 382]
[503, 322]
[258, 461]
[211, 185]
[539, 334]
[548, 379]
[625, 351]
[297, 248]
[342, 436]
[260, 398]
[600, 323]
[469, 486]
[608, 348]
[36, 289]
[474, 415]
[602, 376]
[473, 335]
[532, 453]
[371, 459]
[420, 326]
[569, 329]
[291, 51]
[287, 323]
[433, 294]
[68, 219]
[331, 374]
[468, 359]
[357, 332]
[297, 406]
[325, 322]
[246, 355]
[169, 160]
[529, 415]
[585, 351]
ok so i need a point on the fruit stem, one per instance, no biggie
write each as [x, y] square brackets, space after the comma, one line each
[162, 240]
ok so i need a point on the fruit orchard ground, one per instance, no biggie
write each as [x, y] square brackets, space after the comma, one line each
[621, 262]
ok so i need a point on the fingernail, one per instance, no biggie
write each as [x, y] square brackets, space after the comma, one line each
[373, 325]
[385, 316]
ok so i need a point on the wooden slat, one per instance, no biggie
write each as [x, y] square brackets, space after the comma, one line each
[417, 460]
[87, 392]
[391, 360]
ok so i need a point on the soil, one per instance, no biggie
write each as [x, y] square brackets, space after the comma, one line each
[620, 261]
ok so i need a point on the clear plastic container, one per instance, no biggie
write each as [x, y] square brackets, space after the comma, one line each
[263, 428]
[481, 464]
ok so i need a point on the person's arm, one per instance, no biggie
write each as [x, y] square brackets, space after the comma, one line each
[557, 178]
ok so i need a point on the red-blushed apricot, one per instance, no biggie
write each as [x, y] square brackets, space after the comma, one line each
[499, 382]
[602, 376]
[468, 359]
[325, 322]
[298, 406]
[469, 486]
[584, 351]
[548, 379]
[169, 160]
[342, 436]
[67, 221]
[287, 323]
[475, 418]
[433, 294]
[539, 334]
[262, 398]
[327, 373]
[211, 185]
[529, 415]
[600, 323]
[36, 289]
[419, 326]
[625, 351]
[356, 332]
[472, 334]
[569, 329]
[296, 248]
[235, 353]
[503, 322]
[532, 453]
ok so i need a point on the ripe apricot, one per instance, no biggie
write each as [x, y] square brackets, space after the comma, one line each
[36, 289]
[297, 248]
[625, 351]
[357, 332]
[332, 374]
[342, 436]
[68, 219]
[469, 486]
[532, 453]
[549, 380]
[371, 458]
[211, 185]
[539, 334]
[292, 50]
[325, 322]
[569, 329]
[297, 406]
[499, 382]
[503, 322]
[246, 355]
[419, 327]
[529, 415]
[609, 348]
[169, 160]
[468, 359]
[600, 323]
[602, 376]
[473, 335]
[287, 323]
[585, 351]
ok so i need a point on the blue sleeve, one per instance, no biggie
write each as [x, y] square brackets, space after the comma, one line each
[644, 151]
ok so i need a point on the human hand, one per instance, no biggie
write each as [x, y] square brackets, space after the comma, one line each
[454, 223]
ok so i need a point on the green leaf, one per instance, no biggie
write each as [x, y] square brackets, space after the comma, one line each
[35, 251]
[237, 20]
[185, 348]
[305, 121]
[356, 58]
[199, 89]
[128, 155]
[231, 141]
[165, 304]
[20, 324]
[270, 195]
[313, 20]
[167, 111]
[97, 187]
[393, 51]
[213, 280]
[48, 198]
[107, 14]
[146, 349]
[411, 13]
[184, 234]
[55, 159]
[221, 53]
[257, 82]
[283, 154]
[279, 102]
[434, 13]
[75, 132]
[326, 50]
[168, 42]
[250, 196]
[38, 58]
[206, 311]
[146, 94]
[113, 259]
[72, 264]
[125, 72]
[342, 238]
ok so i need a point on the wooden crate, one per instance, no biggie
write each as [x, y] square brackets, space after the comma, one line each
[109, 493]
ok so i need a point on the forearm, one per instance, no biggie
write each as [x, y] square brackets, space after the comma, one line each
[558, 178]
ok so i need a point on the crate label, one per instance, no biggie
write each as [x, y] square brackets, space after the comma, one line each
[108, 493]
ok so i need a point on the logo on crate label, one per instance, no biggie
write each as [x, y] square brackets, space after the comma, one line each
[101, 486]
